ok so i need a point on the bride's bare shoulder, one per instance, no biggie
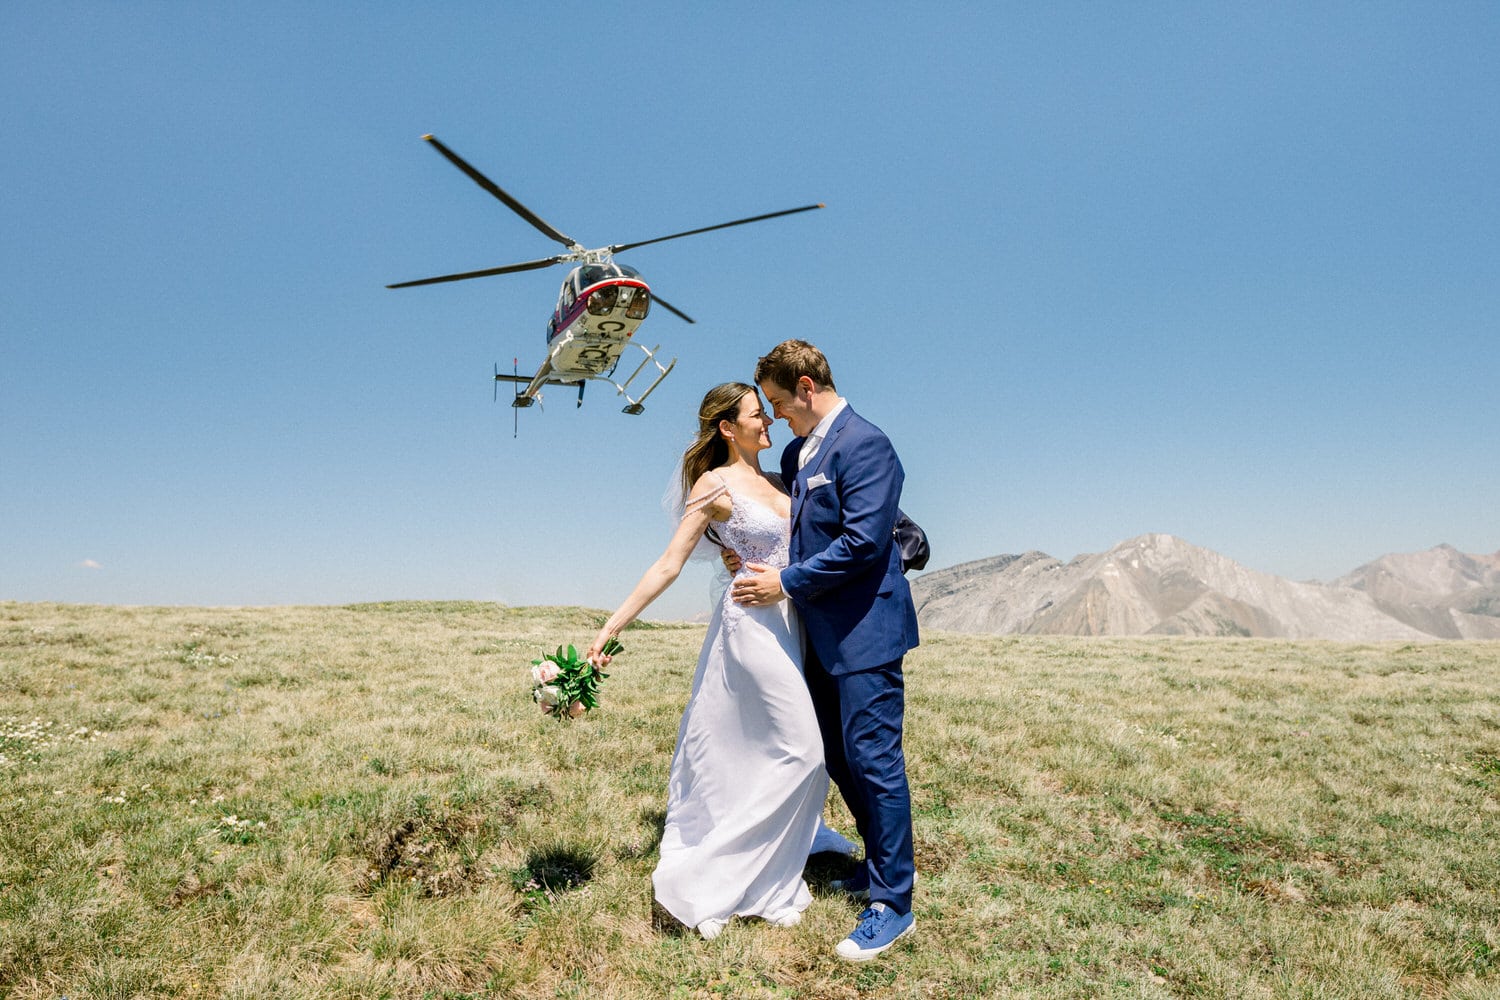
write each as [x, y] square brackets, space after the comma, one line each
[710, 493]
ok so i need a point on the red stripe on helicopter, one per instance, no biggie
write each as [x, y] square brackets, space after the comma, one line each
[581, 303]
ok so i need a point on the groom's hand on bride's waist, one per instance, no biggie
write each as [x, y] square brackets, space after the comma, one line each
[761, 585]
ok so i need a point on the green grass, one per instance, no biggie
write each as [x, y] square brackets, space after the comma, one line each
[364, 802]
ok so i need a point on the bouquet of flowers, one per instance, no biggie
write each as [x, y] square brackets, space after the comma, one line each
[565, 684]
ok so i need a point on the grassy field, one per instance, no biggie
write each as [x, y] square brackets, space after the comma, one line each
[364, 802]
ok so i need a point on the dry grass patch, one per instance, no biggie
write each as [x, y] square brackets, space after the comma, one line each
[364, 802]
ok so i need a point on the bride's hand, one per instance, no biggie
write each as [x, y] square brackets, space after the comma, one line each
[595, 654]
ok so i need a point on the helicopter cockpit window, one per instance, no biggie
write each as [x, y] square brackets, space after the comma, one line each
[639, 304]
[591, 274]
[602, 301]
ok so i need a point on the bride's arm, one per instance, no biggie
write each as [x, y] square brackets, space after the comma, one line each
[657, 578]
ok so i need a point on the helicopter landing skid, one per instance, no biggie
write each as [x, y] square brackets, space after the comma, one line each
[530, 395]
[635, 405]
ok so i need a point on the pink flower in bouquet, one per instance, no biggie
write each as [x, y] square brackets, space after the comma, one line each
[566, 685]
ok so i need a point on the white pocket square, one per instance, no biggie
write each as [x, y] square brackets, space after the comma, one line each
[818, 480]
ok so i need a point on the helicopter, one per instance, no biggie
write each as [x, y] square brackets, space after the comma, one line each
[599, 309]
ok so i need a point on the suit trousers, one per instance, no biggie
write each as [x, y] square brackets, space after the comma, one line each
[860, 715]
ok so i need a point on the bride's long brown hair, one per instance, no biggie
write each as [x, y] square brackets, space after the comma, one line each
[709, 450]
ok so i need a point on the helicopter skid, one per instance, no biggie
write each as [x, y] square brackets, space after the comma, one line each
[634, 406]
[530, 392]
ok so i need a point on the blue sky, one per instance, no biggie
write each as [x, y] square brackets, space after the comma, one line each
[1227, 272]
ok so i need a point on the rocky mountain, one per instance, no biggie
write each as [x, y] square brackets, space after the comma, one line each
[1442, 591]
[1162, 585]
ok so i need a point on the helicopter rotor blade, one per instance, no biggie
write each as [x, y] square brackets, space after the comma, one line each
[530, 265]
[669, 307]
[620, 247]
[498, 192]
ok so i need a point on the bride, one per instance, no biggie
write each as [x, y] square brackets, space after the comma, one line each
[747, 785]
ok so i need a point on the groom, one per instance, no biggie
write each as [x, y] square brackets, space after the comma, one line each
[845, 579]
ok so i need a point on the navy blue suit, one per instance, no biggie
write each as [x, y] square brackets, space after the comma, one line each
[845, 578]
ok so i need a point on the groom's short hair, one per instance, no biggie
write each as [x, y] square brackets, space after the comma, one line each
[789, 361]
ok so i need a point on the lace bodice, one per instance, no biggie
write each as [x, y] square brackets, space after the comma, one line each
[754, 531]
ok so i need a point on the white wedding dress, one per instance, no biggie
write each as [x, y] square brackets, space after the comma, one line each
[747, 786]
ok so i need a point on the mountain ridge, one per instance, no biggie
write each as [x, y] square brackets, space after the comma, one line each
[1159, 584]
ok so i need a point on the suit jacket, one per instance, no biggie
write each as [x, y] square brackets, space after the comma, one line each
[845, 569]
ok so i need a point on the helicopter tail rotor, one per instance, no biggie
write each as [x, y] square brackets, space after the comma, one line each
[521, 399]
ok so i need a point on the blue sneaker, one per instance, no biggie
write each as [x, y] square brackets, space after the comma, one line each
[879, 928]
